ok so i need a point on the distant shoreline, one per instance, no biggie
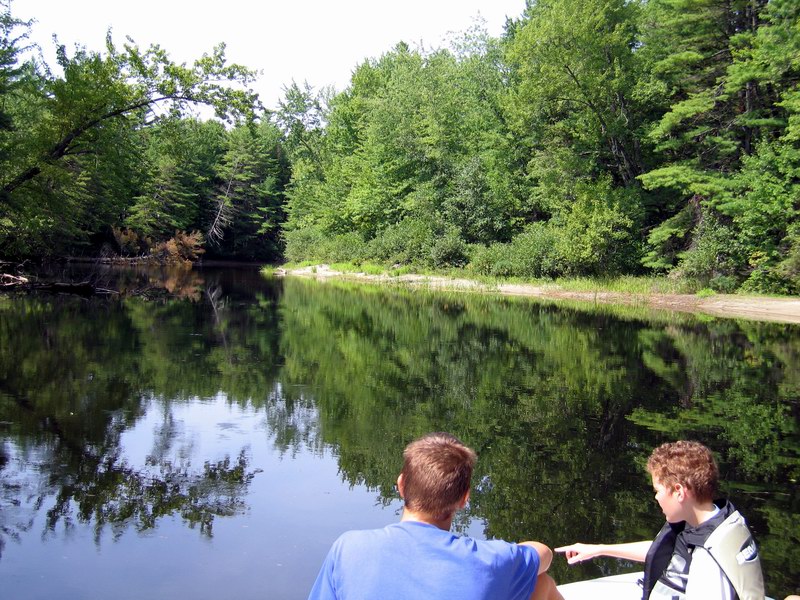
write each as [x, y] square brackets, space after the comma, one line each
[756, 308]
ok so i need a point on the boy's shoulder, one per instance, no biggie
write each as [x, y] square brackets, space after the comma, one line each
[733, 548]
[732, 536]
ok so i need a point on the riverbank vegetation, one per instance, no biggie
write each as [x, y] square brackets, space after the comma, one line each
[102, 153]
[594, 138]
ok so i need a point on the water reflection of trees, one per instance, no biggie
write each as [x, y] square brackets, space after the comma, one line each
[563, 406]
[91, 483]
[74, 376]
[542, 395]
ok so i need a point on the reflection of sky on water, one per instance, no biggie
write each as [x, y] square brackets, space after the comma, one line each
[297, 505]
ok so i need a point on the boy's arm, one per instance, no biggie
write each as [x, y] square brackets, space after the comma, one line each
[545, 554]
[636, 551]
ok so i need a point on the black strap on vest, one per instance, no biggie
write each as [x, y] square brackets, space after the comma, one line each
[659, 555]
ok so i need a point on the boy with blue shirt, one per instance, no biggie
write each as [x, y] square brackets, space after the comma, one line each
[419, 557]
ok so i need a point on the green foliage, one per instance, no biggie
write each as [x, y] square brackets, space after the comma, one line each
[687, 53]
[79, 153]
[789, 267]
[574, 72]
[669, 239]
[166, 205]
[408, 242]
[597, 232]
[726, 140]
[596, 138]
[311, 244]
[410, 146]
[531, 254]
[180, 157]
[715, 260]
[480, 213]
[595, 236]
[248, 208]
[449, 250]
[12, 75]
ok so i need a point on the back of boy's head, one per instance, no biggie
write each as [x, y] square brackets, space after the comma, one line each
[437, 469]
[689, 463]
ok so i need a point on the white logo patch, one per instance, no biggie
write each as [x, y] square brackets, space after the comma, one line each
[748, 553]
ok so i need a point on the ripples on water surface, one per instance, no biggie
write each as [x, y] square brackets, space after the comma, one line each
[210, 436]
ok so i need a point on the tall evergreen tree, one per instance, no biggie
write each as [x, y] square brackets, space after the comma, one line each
[177, 193]
[248, 210]
[705, 127]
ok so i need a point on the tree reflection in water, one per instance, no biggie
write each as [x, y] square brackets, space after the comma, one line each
[94, 485]
[75, 376]
[562, 404]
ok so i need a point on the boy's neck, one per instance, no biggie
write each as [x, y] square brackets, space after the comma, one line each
[700, 513]
[409, 515]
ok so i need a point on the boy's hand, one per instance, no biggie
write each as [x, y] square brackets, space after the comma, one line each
[579, 552]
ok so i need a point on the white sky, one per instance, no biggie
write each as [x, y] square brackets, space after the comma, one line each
[303, 40]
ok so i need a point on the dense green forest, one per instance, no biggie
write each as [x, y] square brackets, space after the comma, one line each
[594, 137]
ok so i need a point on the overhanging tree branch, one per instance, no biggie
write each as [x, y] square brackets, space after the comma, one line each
[131, 81]
[62, 147]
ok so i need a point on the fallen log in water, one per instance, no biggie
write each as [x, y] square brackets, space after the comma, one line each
[83, 288]
[7, 280]
[116, 260]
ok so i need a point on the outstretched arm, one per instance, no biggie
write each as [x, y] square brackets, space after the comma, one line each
[576, 553]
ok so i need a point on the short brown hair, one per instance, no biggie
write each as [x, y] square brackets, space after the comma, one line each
[689, 463]
[437, 469]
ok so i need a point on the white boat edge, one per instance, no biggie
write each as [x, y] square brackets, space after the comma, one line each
[613, 587]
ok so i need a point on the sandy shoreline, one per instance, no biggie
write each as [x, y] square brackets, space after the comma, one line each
[757, 308]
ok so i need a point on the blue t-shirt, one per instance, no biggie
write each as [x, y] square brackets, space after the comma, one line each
[410, 559]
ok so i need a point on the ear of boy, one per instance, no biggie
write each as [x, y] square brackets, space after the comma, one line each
[694, 511]
[681, 492]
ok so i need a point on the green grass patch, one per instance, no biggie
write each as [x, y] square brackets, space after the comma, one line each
[628, 285]
[373, 269]
[344, 267]
[404, 270]
[366, 268]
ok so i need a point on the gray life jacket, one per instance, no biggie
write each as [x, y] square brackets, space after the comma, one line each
[726, 563]
[732, 549]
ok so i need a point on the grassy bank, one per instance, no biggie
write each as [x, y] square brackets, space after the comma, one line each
[618, 285]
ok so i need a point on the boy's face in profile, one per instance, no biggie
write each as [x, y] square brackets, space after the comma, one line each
[670, 499]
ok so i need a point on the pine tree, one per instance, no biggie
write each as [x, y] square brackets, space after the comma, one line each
[248, 210]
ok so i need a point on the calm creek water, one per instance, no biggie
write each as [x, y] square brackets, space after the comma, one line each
[210, 435]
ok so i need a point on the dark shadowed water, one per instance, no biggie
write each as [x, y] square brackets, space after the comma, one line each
[209, 433]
